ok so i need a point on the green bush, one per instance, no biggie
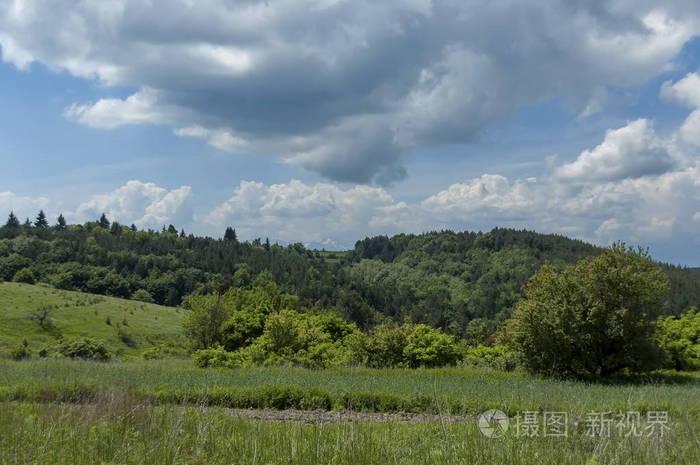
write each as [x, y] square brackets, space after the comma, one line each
[85, 348]
[217, 357]
[21, 352]
[142, 295]
[25, 275]
[592, 319]
[429, 347]
[679, 338]
[496, 357]
[161, 352]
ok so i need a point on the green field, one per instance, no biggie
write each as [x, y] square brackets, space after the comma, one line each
[76, 314]
[134, 411]
[118, 426]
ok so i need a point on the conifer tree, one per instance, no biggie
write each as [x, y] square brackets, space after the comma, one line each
[230, 235]
[61, 222]
[12, 221]
[103, 222]
[40, 221]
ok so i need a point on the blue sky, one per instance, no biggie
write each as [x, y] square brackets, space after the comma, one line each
[324, 121]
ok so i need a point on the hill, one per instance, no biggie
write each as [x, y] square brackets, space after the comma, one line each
[127, 327]
[463, 282]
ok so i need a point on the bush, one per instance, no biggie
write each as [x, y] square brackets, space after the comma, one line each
[21, 352]
[679, 338]
[160, 352]
[429, 347]
[85, 348]
[25, 275]
[593, 319]
[496, 357]
[217, 357]
[142, 295]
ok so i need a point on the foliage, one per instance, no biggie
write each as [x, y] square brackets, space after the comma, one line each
[594, 318]
[498, 357]
[85, 348]
[679, 338]
[25, 275]
[21, 352]
[142, 295]
[407, 345]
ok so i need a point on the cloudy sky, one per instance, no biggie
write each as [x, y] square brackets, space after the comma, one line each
[324, 121]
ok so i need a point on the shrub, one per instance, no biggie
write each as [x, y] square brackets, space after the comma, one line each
[21, 352]
[85, 348]
[160, 352]
[592, 319]
[679, 338]
[429, 347]
[496, 357]
[217, 357]
[142, 295]
[25, 275]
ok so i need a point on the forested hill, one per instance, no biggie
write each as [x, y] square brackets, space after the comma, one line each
[459, 281]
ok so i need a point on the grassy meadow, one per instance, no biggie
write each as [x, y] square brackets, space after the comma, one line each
[77, 314]
[134, 411]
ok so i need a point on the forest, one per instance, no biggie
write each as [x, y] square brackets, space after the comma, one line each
[464, 283]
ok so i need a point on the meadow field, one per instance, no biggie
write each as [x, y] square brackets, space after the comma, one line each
[169, 412]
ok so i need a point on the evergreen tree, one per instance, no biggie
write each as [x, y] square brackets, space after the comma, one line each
[61, 222]
[27, 223]
[40, 221]
[267, 243]
[182, 233]
[133, 227]
[172, 230]
[12, 221]
[103, 222]
[230, 235]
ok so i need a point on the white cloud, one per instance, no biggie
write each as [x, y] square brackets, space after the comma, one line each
[144, 204]
[320, 213]
[23, 206]
[139, 108]
[343, 88]
[627, 152]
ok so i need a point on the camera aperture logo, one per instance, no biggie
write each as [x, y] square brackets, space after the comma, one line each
[493, 423]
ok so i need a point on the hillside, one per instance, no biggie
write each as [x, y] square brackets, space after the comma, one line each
[127, 327]
[463, 282]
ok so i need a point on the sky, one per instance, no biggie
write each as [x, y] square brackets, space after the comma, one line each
[326, 121]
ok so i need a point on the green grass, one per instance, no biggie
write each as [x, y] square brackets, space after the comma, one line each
[77, 314]
[119, 432]
[477, 389]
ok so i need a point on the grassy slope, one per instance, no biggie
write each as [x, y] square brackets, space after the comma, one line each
[80, 314]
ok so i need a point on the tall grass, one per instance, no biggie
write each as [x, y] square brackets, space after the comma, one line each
[118, 431]
[363, 389]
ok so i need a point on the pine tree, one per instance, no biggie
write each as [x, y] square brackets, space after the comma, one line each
[267, 243]
[12, 221]
[172, 230]
[103, 222]
[133, 227]
[230, 235]
[27, 223]
[182, 233]
[40, 221]
[61, 222]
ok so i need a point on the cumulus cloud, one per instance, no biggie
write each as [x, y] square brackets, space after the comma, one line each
[294, 211]
[343, 88]
[23, 206]
[144, 204]
[628, 152]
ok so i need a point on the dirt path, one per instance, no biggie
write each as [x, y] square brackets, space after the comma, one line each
[325, 417]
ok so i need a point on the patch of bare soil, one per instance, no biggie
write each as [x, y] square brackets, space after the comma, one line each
[341, 416]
